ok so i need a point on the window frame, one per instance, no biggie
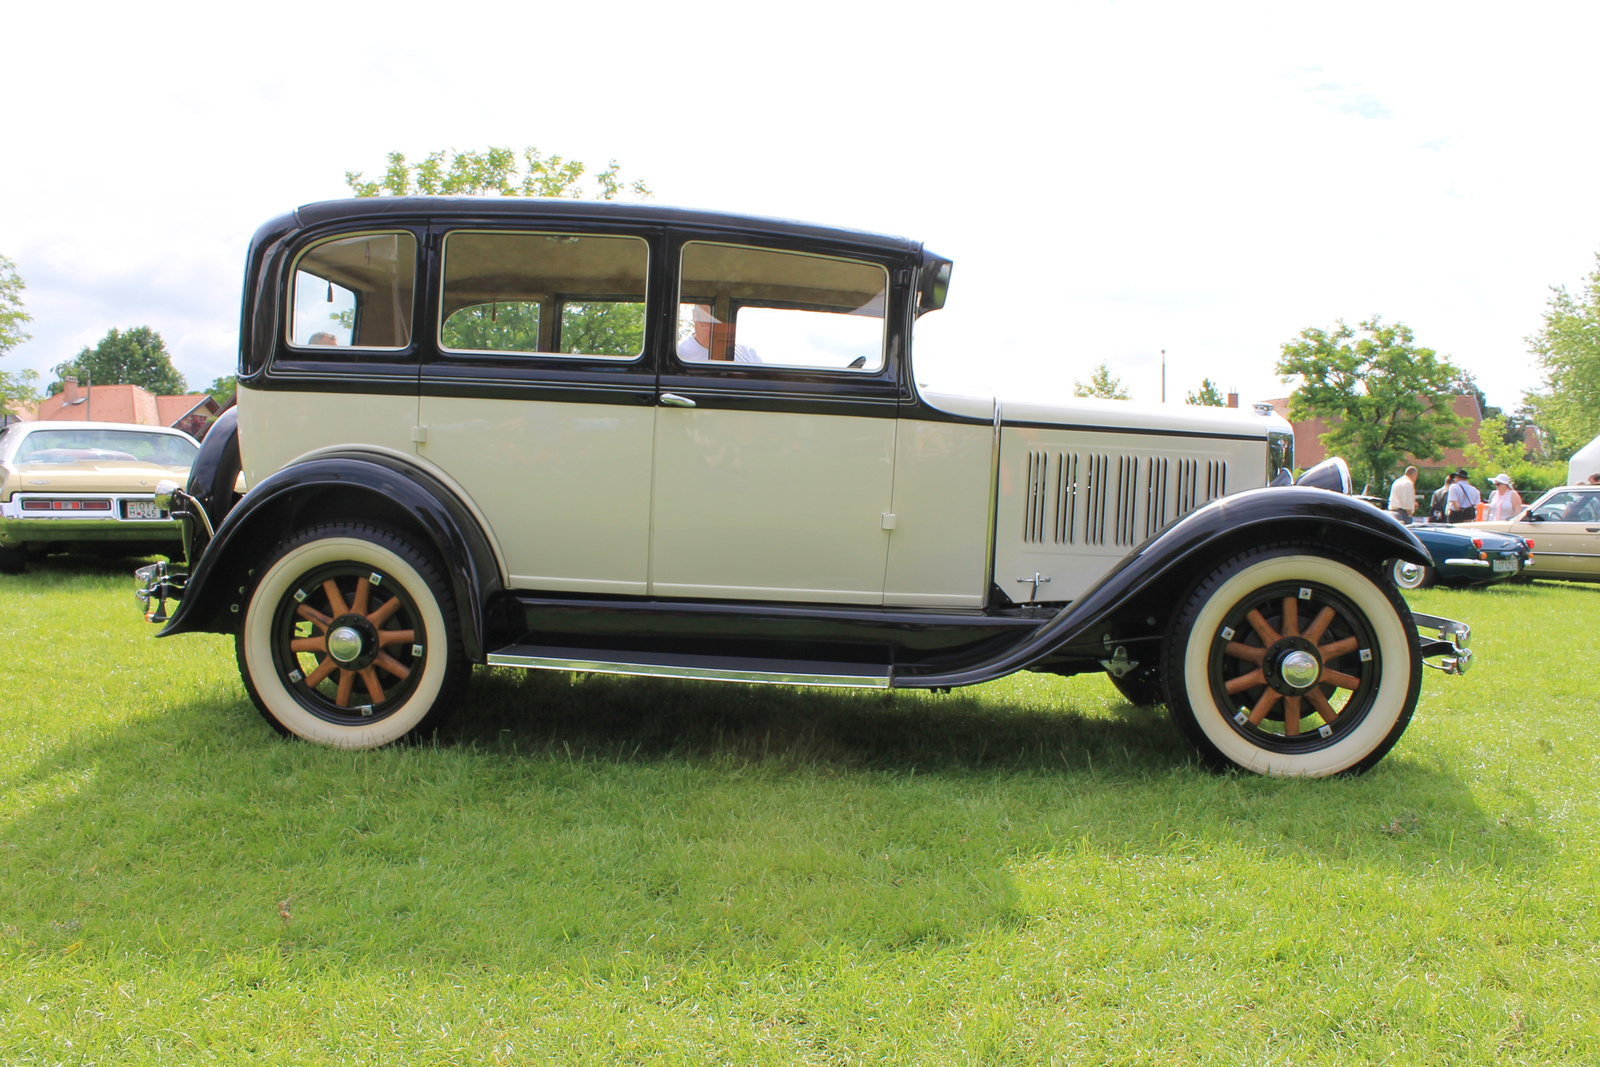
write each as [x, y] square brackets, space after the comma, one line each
[418, 257]
[553, 303]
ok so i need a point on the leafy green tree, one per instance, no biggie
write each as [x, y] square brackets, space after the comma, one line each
[1568, 349]
[1207, 395]
[1102, 383]
[492, 173]
[1383, 396]
[506, 326]
[16, 389]
[136, 357]
[222, 389]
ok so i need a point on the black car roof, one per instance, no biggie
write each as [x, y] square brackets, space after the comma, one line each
[486, 207]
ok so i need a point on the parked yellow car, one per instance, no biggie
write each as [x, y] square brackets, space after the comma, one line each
[1565, 523]
[73, 485]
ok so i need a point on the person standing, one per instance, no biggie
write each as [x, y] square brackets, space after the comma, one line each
[1505, 503]
[1403, 496]
[1439, 503]
[1464, 499]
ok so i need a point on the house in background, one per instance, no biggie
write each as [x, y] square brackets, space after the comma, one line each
[192, 413]
[1308, 449]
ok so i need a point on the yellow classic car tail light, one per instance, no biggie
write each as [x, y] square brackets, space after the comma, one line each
[66, 505]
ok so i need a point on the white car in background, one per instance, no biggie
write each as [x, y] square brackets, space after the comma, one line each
[1564, 524]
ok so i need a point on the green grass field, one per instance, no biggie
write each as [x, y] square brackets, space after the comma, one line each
[639, 871]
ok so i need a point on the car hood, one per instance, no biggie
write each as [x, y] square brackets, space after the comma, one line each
[1089, 413]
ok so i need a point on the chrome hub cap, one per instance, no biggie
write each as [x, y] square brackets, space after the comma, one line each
[344, 644]
[1300, 669]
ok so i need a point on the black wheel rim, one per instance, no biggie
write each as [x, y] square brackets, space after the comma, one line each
[1251, 644]
[369, 602]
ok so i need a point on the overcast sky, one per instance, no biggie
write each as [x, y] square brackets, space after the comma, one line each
[1110, 179]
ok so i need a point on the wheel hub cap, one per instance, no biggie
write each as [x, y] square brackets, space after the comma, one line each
[1300, 669]
[344, 644]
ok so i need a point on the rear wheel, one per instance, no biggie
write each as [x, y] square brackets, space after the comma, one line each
[351, 639]
[13, 558]
[1293, 660]
[1408, 575]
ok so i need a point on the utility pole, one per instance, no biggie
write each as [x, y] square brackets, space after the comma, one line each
[1163, 375]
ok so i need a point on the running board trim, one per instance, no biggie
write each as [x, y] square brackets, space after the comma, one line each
[704, 668]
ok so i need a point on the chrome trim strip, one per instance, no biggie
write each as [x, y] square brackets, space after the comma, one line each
[659, 670]
[994, 507]
[1466, 563]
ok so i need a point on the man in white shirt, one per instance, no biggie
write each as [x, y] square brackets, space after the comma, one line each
[1403, 496]
[696, 348]
[1464, 499]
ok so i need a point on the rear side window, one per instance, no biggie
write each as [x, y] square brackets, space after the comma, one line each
[544, 293]
[355, 292]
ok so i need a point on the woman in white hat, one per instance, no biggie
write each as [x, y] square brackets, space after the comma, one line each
[1505, 502]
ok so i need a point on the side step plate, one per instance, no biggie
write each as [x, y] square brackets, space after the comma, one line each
[713, 668]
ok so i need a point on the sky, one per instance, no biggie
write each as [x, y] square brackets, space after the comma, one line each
[1111, 179]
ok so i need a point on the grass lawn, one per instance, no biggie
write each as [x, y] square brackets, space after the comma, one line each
[642, 871]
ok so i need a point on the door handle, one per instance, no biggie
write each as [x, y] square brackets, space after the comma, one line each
[1592, 529]
[673, 400]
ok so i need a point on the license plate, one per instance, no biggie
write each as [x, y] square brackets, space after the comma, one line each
[1505, 565]
[143, 509]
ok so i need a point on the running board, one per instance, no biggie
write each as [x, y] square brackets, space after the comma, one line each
[711, 668]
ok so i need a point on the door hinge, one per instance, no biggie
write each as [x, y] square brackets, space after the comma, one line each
[419, 434]
[889, 520]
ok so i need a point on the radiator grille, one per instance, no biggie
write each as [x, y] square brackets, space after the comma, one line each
[1097, 498]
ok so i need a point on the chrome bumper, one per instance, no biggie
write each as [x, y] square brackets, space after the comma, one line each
[1451, 644]
[158, 583]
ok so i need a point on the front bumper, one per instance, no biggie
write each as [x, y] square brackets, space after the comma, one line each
[1450, 645]
[21, 527]
[158, 582]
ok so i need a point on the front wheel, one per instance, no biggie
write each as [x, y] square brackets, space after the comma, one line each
[1408, 575]
[1293, 660]
[351, 639]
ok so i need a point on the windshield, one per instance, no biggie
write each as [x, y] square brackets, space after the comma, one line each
[106, 446]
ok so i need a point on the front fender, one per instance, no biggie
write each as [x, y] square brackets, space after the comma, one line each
[350, 486]
[1175, 559]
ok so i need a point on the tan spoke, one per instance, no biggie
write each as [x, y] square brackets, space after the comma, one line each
[1291, 617]
[396, 637]
[1324, 708]
[335, 601]
[1337, 678]
[359, 605]
[317, 618]
[1338, 648]
[347, 681]
[1264, 705]
[392, 665]
[1319, 625]
[374, 690]
[325, 668]
[381, 616]
[1259, 625]
[1246, 681]
[1249, 652]
[1291, 716]
[309, 644]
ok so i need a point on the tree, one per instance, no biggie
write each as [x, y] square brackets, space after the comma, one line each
[1102, 384]
[1207, 395]
[491, 173]
[222, 389]
[1383, 396]
[1568, 349]
[16, 389]
[137, 357]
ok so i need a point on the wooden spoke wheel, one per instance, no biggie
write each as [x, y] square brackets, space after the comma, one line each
[1293, 660]
[351, 638]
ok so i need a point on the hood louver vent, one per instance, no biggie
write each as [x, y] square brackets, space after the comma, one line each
[1074, 498]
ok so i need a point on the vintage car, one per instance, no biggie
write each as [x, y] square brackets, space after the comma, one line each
[88, 486]
[1463, 556]
[1566, 525]
[631, 439]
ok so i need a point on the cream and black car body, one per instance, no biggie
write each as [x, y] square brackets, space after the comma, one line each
[68, 486]
[642, 440]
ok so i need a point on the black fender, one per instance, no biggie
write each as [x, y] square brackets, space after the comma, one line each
[212, 478]
[1164, 568]
[341, 486]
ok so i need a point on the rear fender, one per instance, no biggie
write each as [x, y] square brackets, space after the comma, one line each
[353, 487]
[1136, 598]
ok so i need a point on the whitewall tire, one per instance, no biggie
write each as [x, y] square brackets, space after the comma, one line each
[1293, 660]
[351, 639]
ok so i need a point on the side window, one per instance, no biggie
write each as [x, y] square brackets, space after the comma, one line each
[760, 307]
[555, 293]
[355, 292]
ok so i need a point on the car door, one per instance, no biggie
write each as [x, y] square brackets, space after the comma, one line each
[537, 399]
[1565, 528]
[775, 434]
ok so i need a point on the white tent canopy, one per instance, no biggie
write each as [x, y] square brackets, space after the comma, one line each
[1585, 461]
